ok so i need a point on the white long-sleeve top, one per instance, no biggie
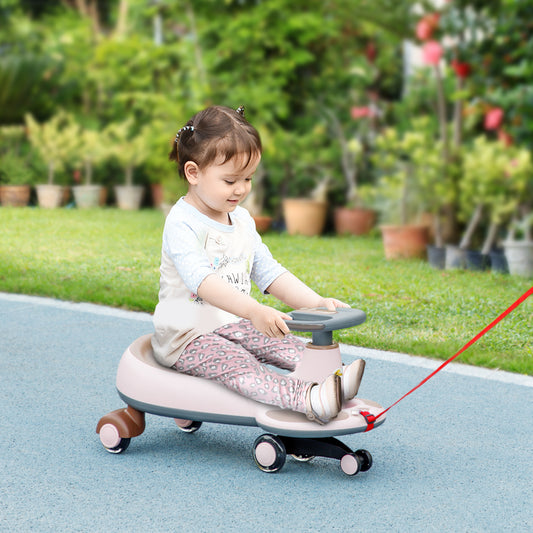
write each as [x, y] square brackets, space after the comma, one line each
[195, 246]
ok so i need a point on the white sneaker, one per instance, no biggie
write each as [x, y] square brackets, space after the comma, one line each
[324, 401]
[351, 379]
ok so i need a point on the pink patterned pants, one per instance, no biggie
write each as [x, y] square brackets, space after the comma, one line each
[236, 355]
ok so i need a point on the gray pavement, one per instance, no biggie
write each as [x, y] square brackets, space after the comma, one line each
[453, 456]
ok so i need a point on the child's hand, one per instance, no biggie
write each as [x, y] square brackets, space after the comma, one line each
[331, 303]
[270, 321]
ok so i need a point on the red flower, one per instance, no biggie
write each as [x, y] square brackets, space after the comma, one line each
[432, 53]
[505, 138]
[361, 112]
[371, 51]
[494, 118]
[462, 69]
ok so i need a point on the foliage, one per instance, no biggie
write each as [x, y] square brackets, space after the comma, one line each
[94, 148]
[56, 140]
[15, 159]
[495, 176]
[127, 147]
[495, 179]
[108, 64]
[411, 173]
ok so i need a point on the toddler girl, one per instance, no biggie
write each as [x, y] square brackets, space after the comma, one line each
[206, 323]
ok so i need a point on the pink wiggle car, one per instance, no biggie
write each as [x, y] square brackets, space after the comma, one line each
[147, 387]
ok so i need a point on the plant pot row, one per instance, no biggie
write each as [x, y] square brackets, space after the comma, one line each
[308, 217]
[85, 196]
[516, 258]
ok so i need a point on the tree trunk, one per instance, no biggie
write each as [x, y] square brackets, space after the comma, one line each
[472, 225]
[129, 175]
[51, 173]
[88, 172]
[122, 19]
[458, 116]
[490, 238]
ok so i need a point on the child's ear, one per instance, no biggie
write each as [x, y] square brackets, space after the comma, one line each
[191, 172]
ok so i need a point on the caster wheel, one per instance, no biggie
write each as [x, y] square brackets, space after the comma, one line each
[188, 426]
[366, 459]
[269, 453]
[303, 458]
[351, 464]
[111, 439]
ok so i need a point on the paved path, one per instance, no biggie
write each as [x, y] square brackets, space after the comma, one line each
[454, 456]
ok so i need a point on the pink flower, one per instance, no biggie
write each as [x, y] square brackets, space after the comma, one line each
[507, 140]
[494, 118]
[361, 112]
[427, 25]
[424, 30]
[432, 53]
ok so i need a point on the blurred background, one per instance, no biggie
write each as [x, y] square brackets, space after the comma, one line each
[411, 113]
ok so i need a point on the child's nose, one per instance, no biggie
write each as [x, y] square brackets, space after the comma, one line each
[240, 188]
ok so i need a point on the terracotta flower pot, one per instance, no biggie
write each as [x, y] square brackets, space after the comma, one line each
[405, 241]
[156, 189]
[262, 223]
[354, 221]
[15, 195]
[304, 217]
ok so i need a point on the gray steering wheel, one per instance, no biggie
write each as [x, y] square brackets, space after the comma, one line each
[321, 322]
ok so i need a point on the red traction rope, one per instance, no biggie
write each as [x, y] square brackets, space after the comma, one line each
[370, 419]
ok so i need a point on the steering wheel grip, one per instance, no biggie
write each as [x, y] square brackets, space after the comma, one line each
[320, 319]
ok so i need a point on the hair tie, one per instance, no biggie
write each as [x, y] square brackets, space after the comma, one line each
[240, 110]
[185, 128]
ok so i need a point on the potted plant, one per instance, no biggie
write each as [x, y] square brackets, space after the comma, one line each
[398, 197]
[299, 174]
[434, 185]
[57, 142]
[94, 149]
[494, 179]
[353, 217]
[16, 175]
[130, 150]
[518, 245]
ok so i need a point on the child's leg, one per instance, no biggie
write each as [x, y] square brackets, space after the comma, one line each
[282, 353]
[216, 358]
[285, 353]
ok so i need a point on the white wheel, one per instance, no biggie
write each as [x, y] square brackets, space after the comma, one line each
[350, 464]
[111, 439]
[269, 453]
[303, 458]
[188, 426]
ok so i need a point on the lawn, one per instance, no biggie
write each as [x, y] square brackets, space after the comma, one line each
[111, 257]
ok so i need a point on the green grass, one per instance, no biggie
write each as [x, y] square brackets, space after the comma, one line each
[111, 257]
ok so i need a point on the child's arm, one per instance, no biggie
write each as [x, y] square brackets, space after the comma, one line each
[297, 295]
[221, 294]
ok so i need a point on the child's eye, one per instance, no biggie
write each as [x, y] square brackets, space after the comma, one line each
[229, 182]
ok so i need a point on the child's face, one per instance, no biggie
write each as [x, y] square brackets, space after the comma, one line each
[219, 188]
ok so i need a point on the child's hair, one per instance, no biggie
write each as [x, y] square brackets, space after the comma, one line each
[214, 133]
